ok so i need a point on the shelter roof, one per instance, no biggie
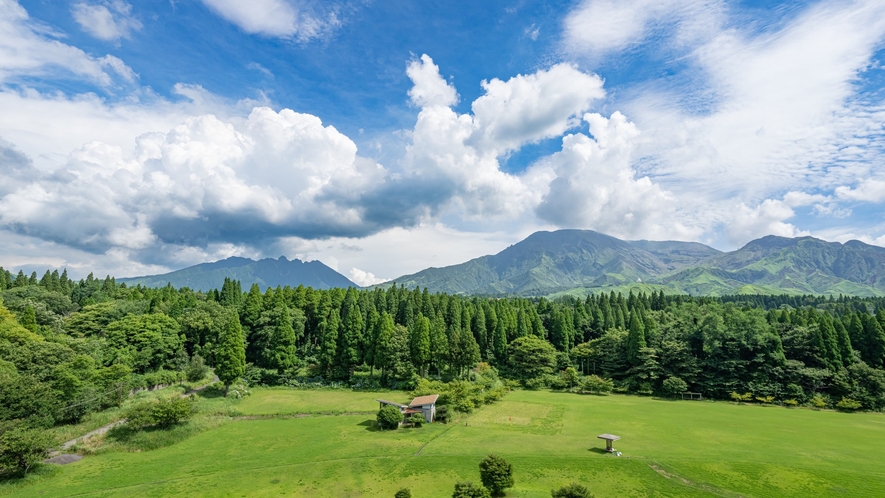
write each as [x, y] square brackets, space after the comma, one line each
[390, 403]
[610, 437]
[424, 400]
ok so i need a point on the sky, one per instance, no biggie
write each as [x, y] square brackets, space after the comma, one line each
[382, 138]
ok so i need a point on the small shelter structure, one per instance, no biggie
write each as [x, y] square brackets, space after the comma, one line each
[424, 405]
[692, 396]
[609, 439]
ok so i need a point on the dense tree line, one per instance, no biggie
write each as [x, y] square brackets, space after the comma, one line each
[68, 348]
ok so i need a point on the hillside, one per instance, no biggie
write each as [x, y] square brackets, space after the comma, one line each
[549, 262]
[580, 261]
[266, 273]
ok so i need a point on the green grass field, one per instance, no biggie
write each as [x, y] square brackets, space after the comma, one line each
[668, 449]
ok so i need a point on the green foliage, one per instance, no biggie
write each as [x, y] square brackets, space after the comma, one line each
[741, 398]
[596, 384]
[818, 401]
[791, 402]
[163, 413]
[416, 419]
[389, 417]
[674, 385]
[230, 356]
[496, 474]
[144, 342]
[21, 448]
[470, 490]
[403, 493]
[196, 369]
[531, 357]
[573, 490]
[848, 405]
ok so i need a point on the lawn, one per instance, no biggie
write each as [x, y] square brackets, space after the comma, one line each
[668, 449]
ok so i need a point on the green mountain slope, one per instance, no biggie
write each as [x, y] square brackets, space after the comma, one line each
[266, 273]
[579, 261]
[550, 262]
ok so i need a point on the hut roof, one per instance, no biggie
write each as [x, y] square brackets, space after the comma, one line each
[610, 437]
[390, 403]
[424, 400]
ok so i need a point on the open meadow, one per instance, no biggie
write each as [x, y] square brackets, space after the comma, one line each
[668, 449]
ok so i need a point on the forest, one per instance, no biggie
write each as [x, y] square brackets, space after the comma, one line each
[68, 348]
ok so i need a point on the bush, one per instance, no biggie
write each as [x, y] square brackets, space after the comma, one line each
[403, 493]
[818, 401]
[573, 490]
[21, 448]
[594, 383]
[674, 386]
[442, 414]
[848, 405]
[196, 369]
[496, 474]
[417, 420]
[791, 402]
[389, 417]
[470, 490]
[163, 413]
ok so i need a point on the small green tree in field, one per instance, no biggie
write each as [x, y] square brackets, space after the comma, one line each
[674, 385]
[569, 377]
[848, 404]
[573, 490]
[230, 356]
[470, 490]
[21, 448]
[168, 412]
[496, 474]
[389, 417]
[403, 493]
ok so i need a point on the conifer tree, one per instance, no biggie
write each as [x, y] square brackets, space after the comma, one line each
[282, 342]
[230, 356]
[635, 339]
[419, 342]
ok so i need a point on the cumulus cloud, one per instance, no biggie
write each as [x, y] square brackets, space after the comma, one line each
[364, 278]
[768, 218]
[756, 111]
[594, 186]
[868, 190]
[275, 18]
[27, 50]
[107, 21]
[428, 87]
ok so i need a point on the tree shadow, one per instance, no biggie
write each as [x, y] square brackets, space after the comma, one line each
[370, 425]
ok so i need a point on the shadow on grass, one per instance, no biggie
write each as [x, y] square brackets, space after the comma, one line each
[370, 425]
[600, 451]
[211, 392]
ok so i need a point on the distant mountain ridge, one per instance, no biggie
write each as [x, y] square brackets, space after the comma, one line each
[266, 273]
[579, 261]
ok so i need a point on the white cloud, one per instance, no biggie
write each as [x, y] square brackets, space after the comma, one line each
[868, 190]
[768, 218]
[276, 18]
[364, 278]
[107, 21]
[758, 110]
[27, 50]
[594, 186]
[428, 87]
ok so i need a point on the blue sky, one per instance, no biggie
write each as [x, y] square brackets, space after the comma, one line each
[385, 137]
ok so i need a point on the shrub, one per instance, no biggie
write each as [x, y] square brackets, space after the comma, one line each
[848, 404]
[442, 414]
[496, 474]
[21, 448]
[741, 397]
[163, 413]
[470, 490]
[765, 399]
[595, 383]
[791, 402]
[196, 369]
[389, 417]
[403, 493]
[674, 386]
[573, 490]
[417, 420]
[818, 401]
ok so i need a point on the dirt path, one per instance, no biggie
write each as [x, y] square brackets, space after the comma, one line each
[105, 428]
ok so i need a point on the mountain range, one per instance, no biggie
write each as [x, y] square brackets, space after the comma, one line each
[581, 261]
[266, 273]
